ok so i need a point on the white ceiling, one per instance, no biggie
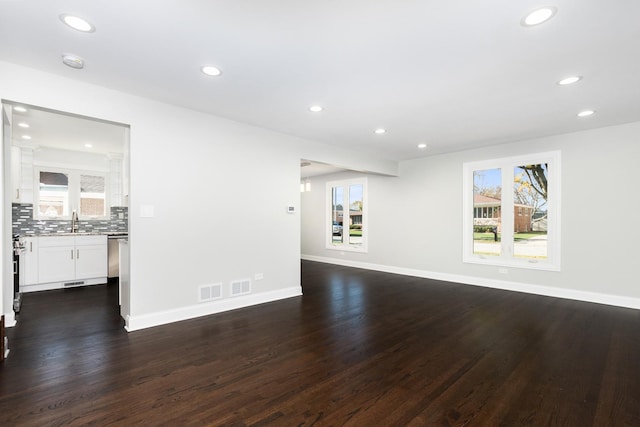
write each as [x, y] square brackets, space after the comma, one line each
[67, 132]
[309, 169]
[455, 74]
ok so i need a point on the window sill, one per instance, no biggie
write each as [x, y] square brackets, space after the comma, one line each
[513, 263]
[346, 248]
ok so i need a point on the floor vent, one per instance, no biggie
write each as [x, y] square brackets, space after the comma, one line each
[241, 287]
[74, 283]
[210, 292]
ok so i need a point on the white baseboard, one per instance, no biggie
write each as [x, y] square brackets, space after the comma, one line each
[134, 323]
[573, 294]
[61, 285]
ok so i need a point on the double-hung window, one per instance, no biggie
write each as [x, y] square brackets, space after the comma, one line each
[93, 195]
[346, 220]
[512, 211]
[61, 191]
[53, 195]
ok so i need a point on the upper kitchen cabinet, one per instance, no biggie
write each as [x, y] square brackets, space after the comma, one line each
[21, 174]
[116, 180]
[16, 173]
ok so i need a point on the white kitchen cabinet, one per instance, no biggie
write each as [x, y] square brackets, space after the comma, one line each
[30, 257]
[71, 261]
[91, 257]
[21, 175]
[56, 259]
[115, 179]
[16, 173]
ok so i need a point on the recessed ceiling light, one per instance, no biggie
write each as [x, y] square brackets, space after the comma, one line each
[27, 137]
[422, 146]
[77, 23]
[87, 145]
[20, 109]
[23, 125]
[315, 108]
[380, 131]
[586, 113]
[72, 61]
[210, 70]
[538, 16]
[569, 80]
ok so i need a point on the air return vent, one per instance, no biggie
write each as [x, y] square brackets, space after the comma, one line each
[209, 292]
[240, 287]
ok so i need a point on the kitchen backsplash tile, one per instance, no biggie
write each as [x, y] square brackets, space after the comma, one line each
[24, 224]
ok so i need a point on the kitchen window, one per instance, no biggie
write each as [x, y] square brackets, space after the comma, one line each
[92, 196]
[512, 211]
[60, 191]
[346, 220]
[53, 195]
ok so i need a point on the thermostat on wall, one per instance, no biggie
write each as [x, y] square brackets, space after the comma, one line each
[291, 209]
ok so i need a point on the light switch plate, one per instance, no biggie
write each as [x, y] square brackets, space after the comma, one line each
[146, 211]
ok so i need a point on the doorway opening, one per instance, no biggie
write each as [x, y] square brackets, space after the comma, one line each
[65, 203]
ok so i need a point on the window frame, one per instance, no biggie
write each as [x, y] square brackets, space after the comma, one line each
[73, 191]
[80, 193]
[346, 246]
[37, 197]
[507, 166]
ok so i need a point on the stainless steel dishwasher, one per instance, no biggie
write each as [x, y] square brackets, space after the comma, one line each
[113, 249]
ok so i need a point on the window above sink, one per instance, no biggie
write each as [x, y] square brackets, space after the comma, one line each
[61, 191]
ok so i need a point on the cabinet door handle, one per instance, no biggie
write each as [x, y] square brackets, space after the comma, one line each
[71, 253]
[77, 253]
[30, 246]
[17, 194]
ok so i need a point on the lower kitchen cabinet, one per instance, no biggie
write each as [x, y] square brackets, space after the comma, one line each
[91, 257]
[56, 261]
[30, 263]
[70, 261]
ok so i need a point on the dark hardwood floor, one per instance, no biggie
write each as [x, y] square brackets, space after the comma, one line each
[360, 348]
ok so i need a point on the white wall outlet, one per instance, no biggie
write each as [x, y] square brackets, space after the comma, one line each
[258, 276]
[503, 270]
[121, 215]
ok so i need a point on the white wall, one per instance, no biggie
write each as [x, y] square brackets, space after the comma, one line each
[415, 219]
[229, 185]
[6, 253]
[70, 159]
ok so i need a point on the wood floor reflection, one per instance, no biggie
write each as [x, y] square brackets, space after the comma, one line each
[360, 348]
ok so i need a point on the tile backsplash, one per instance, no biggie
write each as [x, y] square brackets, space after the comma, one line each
[24, 224]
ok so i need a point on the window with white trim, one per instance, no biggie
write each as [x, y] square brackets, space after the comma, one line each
[93, 195]
[512, 211]
[52, 195]
[346, 220]
[60, 191]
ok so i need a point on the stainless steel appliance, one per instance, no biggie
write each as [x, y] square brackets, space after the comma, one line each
[113, 250]
[18, 250]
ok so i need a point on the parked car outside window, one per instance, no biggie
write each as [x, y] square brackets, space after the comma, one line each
[337, 229]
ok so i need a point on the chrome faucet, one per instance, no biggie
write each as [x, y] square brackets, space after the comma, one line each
[74, 222]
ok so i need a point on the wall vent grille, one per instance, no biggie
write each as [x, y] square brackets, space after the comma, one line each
[81, 282]
[209, 292]
[241, 287]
